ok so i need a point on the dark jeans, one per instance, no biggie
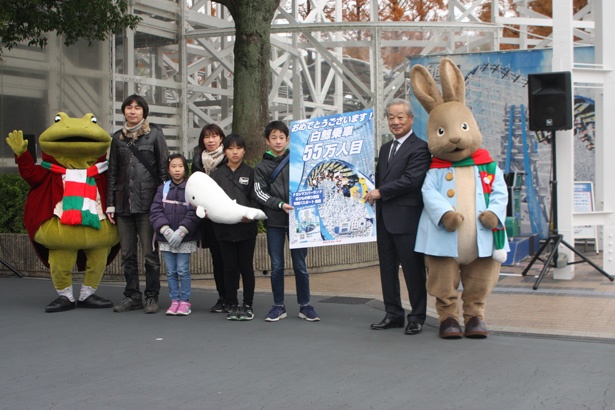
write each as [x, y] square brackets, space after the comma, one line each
[276, 238]
[133, 229]
[238, 258]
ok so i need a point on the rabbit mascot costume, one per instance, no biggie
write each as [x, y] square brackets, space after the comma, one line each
[461, 230]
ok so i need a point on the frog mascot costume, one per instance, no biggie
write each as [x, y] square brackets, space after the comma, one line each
[63, 213]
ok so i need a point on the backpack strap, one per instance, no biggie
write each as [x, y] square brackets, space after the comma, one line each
[136, 153]
[165, 192]
[278, 169]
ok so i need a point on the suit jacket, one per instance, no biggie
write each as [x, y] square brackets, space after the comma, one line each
[400, 182]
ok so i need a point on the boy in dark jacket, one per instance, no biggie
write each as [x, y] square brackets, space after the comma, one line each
[271, 182]
[237, 241]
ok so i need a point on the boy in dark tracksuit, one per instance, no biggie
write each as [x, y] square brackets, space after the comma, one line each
[237, 241]
[271, 182]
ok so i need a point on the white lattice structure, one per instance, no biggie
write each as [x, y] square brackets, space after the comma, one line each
[181, 58]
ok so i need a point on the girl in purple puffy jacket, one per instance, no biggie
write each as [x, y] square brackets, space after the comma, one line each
[175, 224]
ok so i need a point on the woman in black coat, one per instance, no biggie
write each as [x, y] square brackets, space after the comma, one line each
[208, 156]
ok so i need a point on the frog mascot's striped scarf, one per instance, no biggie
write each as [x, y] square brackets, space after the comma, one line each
[486, 169]
[79, 201]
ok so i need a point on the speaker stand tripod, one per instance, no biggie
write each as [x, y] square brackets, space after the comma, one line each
[556, 238]
[15, 271]
[5, 263]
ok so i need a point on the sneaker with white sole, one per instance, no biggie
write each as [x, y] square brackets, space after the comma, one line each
[276, 313]
[219, 307]
[233, 313]
[184, 308]
[246, 313]
[172, 310]
[308, 313]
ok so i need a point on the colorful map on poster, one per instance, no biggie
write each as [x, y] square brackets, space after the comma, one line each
[331, 169]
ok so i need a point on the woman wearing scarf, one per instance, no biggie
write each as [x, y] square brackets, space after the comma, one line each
[208, 156]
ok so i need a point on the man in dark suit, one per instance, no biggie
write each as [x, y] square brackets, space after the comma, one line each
[402, 165]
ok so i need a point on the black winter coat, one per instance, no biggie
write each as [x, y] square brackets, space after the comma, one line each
[131, 187]
[238, 185]
[270, 194]
[208, 235]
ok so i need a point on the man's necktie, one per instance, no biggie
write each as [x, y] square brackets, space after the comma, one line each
[393, 150]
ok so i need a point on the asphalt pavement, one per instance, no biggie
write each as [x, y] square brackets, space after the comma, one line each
[98, 359]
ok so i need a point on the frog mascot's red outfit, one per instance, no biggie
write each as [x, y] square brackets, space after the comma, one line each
[64, 210]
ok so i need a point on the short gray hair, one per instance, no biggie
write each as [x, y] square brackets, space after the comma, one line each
[396, 101]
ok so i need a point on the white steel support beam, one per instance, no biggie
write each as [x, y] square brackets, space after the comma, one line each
[183, 94]
[563, 61]
[376, 82]
[601, 75]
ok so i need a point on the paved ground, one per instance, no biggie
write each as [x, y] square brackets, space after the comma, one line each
[582, 307]
[550, 349]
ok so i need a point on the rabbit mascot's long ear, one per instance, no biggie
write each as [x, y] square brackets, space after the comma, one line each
[426, 90]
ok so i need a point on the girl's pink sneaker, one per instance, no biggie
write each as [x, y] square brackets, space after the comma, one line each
[184, 309]
[172, 310]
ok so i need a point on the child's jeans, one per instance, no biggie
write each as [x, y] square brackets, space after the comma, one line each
[178, 275]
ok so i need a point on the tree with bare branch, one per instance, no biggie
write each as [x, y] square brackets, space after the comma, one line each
[252, 70]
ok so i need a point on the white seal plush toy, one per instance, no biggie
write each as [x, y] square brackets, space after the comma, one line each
[461, 230]
[210, 200]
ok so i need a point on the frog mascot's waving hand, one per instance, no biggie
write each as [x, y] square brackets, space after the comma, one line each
[64, 210]
[461, 230]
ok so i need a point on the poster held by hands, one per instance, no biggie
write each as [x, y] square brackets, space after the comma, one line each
[331, 170]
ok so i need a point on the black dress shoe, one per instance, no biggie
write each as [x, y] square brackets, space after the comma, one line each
[60, 304]
[387, 324]
[413, 328]
[94, 302]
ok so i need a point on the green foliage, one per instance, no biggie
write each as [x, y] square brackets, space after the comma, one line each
[261, 226]
[13, 191]
[34, 20]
